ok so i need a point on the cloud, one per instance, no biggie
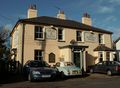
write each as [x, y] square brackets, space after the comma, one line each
[116, 33]
[105, 9]
[9, 26]
[110, 18]
[114, 1]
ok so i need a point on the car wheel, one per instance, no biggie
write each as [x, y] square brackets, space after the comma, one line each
[91, 70]
[109, 73]
[62, 75]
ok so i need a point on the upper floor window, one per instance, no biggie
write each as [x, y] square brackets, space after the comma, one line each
[39, 34]
[60, 34]
[78, 35]
[100, 38]
[38, 55]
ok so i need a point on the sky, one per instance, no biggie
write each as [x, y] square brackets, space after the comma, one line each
[105, 14]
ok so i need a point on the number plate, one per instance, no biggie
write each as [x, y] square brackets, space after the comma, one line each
[75, 72]
[46, 76]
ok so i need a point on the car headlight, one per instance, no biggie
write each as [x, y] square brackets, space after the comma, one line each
[36, 72]
[68, 71]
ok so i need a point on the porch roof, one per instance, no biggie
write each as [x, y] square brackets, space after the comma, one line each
[102, 47]
[73, 46]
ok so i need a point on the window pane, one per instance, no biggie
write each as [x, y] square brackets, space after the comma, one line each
[38, 32]
[100, 38]
[108, 56]
[100, 56]
[79, 36]
[38, 55]
[60, 34]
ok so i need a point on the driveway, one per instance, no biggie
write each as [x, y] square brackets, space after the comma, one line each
[92, 81]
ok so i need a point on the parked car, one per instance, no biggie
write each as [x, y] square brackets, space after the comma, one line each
[108, 67]
[68, 69]
[38, 70]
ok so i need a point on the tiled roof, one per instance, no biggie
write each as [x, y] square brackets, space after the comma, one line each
[102, 47]
[63, 23]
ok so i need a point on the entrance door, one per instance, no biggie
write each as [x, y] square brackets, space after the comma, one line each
[76, 59]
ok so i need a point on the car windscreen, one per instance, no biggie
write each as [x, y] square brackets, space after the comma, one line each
[38, 64]
[117, 63]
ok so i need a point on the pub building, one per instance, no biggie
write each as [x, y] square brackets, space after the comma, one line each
[55, 39]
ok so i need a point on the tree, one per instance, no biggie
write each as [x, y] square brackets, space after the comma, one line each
[4, 40]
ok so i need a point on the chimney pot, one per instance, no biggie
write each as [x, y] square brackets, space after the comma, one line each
[32, 11]
[86, 19]
[61, 15]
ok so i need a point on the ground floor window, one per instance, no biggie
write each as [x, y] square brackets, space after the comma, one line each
[51, 58]
[100, 54]
[38, 55]
[108, 56]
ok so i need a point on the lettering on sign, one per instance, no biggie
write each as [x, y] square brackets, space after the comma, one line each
[91, 37]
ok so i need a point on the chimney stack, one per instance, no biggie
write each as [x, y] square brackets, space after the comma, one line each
[61, 15]
[32, 11]
[86, 19]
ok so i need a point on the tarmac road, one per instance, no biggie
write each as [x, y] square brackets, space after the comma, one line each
[92, 81]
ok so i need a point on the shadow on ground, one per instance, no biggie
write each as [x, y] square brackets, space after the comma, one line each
[14, 78]
[11, 78]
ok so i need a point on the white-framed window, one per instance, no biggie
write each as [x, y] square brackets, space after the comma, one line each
[39, 33]
[100, 38]
[61, 36]
[108, 56]
[79, 35]
[100, 56]
[38, 55]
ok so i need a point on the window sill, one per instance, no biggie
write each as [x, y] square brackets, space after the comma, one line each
[80, 42]
[39, 39]
[61, 40]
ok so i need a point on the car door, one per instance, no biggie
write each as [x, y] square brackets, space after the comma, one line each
[98, 67]
[104, 67]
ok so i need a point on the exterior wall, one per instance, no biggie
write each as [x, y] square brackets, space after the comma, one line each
[17, 41]
[118, 50]
[66, 54]
[52, 45]
[108, 40]
[32, 13]
[118, 45]
[86, 21]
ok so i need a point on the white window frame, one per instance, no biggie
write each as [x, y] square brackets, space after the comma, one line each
[38, 55]
[63, 34]
[101, 38]
[43, 33]
[99, 56]
[79, 36]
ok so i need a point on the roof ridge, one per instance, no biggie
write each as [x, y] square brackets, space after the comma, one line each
[63, 22]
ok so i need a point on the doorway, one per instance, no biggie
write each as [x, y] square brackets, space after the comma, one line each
[76, 59]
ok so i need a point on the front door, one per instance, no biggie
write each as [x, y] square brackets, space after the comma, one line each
[76, 59]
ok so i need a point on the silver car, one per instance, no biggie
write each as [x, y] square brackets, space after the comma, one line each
[68, 69]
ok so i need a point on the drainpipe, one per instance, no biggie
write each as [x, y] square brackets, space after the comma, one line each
[23, 36]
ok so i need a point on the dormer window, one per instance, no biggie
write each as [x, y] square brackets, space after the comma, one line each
[39, 34]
